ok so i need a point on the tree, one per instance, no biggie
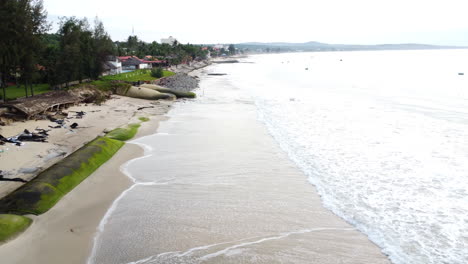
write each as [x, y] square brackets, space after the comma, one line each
[69, 59]
[232, 49]
[23, 22]
[157, 72]
[82, 50]
[102, 48]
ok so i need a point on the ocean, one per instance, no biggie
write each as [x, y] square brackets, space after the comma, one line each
[381, 135]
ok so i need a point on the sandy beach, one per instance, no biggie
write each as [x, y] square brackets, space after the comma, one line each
[27, 160]
[64, 234]
[214, 187]
[222, 206]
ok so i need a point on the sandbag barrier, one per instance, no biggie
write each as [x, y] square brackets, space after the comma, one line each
[145, 93]
[43, 192]
[124, 133]
[12, 225]
[178, 94]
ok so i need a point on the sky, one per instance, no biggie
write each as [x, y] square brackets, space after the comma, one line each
[439, 22]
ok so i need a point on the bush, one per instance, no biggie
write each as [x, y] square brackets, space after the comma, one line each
[157, 72]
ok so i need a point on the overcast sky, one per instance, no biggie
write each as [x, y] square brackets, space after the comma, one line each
[443, 22]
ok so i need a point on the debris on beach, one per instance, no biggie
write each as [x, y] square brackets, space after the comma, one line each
[144, 107]
[30, 107]
[217, 74]
[80, 114]
[2, 178]
[29, 170]
[39, 136]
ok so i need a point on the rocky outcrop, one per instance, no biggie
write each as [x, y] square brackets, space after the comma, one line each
[181, 82]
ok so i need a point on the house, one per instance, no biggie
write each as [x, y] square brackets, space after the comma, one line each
[112, 66]
[155, 63]
[133, 63]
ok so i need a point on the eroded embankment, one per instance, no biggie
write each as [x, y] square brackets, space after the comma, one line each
[43, 192]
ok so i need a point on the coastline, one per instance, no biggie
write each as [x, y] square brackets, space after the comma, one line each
[255, 205]
[65, 233]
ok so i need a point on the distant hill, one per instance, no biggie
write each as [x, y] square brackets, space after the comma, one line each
[318, 46]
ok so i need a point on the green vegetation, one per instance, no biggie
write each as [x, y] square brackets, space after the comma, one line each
[138, 75]
[109, 85]
[44, 191]
[124, 134]
[173, 54]
[12, 225]
[78, 50]
[22, 22]
[13, 92]
[143, 119]
[157, 72]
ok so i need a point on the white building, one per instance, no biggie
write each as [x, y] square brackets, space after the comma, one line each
[221, 46]
[170, 40]
[112, 66]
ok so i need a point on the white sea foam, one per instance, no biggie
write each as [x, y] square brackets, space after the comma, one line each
[231, 248]
[124, 169]
[385, 148]
[382, 136]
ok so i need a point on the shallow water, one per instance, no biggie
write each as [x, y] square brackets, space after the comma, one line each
[382, 135]
[214, 187]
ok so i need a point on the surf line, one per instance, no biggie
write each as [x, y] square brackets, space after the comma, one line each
[259, 239]
[147, 149]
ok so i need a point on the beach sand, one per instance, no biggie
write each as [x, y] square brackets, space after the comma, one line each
[258, 196]
[28, 160]
[214, 187]
[65, 233]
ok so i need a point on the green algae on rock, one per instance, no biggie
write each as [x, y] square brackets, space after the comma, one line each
[12, 225]
[44, 191]
[124, 134]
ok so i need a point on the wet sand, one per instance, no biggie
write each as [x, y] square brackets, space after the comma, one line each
[216, 188]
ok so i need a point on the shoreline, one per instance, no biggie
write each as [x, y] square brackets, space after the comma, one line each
[256, 204]
[65, 234]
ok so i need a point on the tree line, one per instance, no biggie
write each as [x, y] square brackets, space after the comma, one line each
[174, 53]
[22, 24]
[28, 54]
[77, 51]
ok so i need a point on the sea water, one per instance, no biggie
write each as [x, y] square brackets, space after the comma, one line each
[383, 136]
